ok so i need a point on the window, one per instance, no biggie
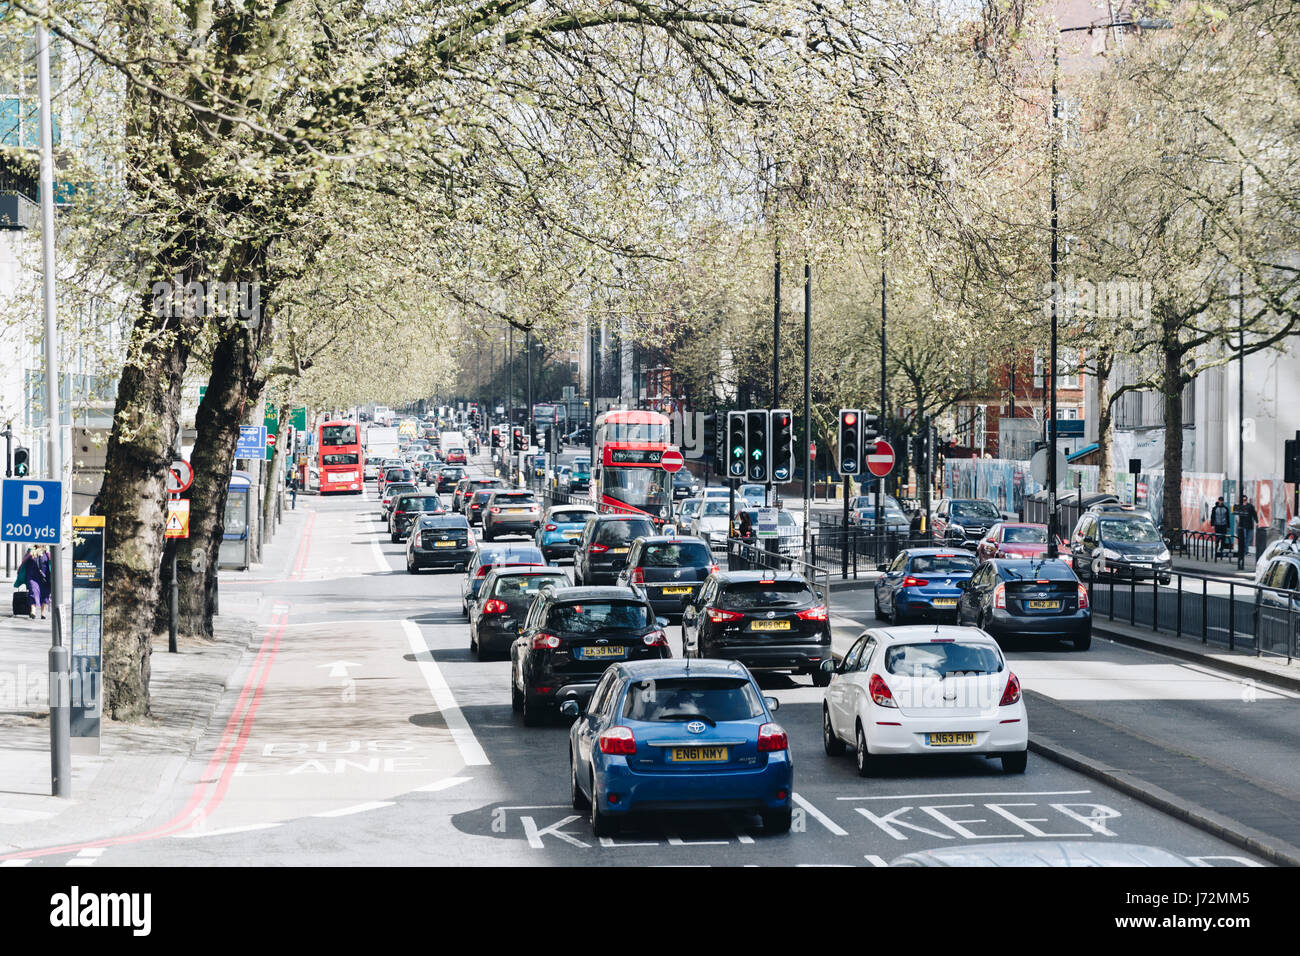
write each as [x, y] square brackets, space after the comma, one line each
[942, 660]
[868, 649]
[747, 595]
[338, 459]
[616, 533]
[1023, 535]
[598, 616]
[851, 658]
[338, 435]
[675, 554]
[600, 696]
[942, 563]
[689, 698]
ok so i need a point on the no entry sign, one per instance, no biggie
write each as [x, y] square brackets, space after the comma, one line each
[672, 460]
[880, 460]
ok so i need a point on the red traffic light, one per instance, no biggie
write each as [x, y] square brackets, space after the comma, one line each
[850, 419]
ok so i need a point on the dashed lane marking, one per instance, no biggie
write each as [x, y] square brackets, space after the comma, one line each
[359, 808]
[445, 784]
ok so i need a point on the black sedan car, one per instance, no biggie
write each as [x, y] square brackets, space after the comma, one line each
[684, 485]
[667, 571]
[568, 639]
[604, 546]
[963, 521]
[1010, 597]
[406, 508]
[497, 617]
[485, 559]
[439, 541]
[767, 620]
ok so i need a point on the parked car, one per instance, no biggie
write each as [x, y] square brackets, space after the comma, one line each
[489, 556]
[511, 512]
[439, 541]
[1017, 597]
[497, 617]
[924, 691]
[667, 571]
[1109, 539]
[922, 584]
[561, 530]
[568, 639]
[604, 546]
[662, 735]
[767, 620]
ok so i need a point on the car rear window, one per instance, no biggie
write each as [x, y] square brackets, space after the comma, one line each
[942, 659]
[751, 594]
[570, 517]
[397, 474]
[419, 503]
[1024, 535]
[677, 554]
[395, 488]
[590, 617]
[516, 496]
[508, 555]
[517, 585]
[622, 532]
[692, 698]
[940, 563]
[444, 521]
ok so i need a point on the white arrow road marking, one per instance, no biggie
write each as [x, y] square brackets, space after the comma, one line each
[461, 732]
[875, 860]
[339, 668]
[820, 817]
[535, 835]
[359, 808]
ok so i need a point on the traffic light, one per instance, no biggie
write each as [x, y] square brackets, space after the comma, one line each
[870, 428]
[757, 442]
[520, 439]
[22, 461]
[712, 460]
[782, 445]
[497, 440]
[735, 444]
[850, 441]
[1290, 461]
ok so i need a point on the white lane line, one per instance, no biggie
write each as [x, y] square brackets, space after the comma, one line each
[86, 857]
[359, 808]
[23, 862]
[199, 834]
[1003, 793]
[875, 860]
[349, 622]
[820, 817]
[445, 784]
[461, 732]
[381, 560]
[551, 806]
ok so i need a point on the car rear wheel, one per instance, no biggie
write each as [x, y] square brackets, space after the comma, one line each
[516, 696]
[576, 796]
[394, 538]
[877, 612]
[533, 715]
[601, 824]
[1083, 641]
[777, 822]
[832, 744]
[868, 765]
[1015, 762]
[410, 565]
[820, 678]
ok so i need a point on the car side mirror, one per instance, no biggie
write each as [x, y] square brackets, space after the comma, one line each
[828, 665]
[570, 708]
[882, 567]
[661, 621]
[772, 704]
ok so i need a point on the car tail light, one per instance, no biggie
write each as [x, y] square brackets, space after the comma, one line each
[618, 740]
[399, 512]
[543, 642]
[472, 543]
[880, 692]
[718, 617]
[496, 510]
[494, 607]
[911, 582]
[713, 569]
[817, 613]
[483, 570]
[1000, 597]
[1083, 597]
[551, 527]
[599, 548]
[1012, 694]
[636, 577]
[772, 738]
[655, 639]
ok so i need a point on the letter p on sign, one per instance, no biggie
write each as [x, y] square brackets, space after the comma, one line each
[33, 496]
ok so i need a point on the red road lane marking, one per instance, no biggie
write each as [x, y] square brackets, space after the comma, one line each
[303, 548]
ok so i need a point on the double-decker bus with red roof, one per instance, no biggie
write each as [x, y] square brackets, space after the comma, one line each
[627, 473]
[339, 461]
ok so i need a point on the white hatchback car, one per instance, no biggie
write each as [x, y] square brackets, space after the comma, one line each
[925, 690]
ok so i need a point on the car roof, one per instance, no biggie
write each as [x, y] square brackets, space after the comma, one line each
[674, 667]
[508, 548]
[742, 577]
[1045, 568]
[672, 539]
[600, 517]
[930, 552]
[585, 509]
[921, 633]
[592, 593]
[525, 570]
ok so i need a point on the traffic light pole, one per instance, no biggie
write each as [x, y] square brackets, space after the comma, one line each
[810, 460]
[880, 482]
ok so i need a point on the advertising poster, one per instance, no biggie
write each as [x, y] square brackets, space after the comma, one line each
[87, 616]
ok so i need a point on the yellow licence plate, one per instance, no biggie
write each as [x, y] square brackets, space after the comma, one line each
[769, 626]
[446, 544]
[1043, 605]
[698, 754]
[944, 602]
[677, 590]
[962, 739]
[619, 550]
[588, 653]
[573, 535]
[516, 511]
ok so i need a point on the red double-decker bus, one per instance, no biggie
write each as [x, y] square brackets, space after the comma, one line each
[339, 457]
[626, 464]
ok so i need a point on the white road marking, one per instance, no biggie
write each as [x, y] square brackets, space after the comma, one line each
[461, 732]
[1021, 793]
[199, 834]
[1109, 680]
[87, 856]
[820, 817]
[1204, 860]
[22, 862]
[875, 860]
[381, 560]
[535, 835]
[549, 806]
[445, 784]
[359, 808]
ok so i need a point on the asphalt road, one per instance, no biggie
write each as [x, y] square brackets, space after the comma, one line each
[362, 732]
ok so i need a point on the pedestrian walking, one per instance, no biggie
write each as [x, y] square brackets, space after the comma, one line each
[1219, 520]
[292, 482]
[36, 568]
[1247, 518]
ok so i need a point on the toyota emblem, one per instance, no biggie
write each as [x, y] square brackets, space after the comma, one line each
[695, 727]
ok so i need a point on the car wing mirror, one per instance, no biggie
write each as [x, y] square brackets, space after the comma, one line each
[570, 708]
[661, 621]
[828, 666]
[772, 704]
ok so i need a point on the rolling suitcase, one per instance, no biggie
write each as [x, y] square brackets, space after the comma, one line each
[22, 603]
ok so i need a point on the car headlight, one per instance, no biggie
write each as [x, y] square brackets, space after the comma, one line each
[1110, 555]
[1163, 555]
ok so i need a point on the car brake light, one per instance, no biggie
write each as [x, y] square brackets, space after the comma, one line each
[1083, 597]
[618, 740]
[494, 607]
[471, 540]
[545, 641]
[817, 613]
[717, 616]
[772, 738]
[636, 577]
[880, 692]
[768, 581]
[911, 582]
[483, 570]
[550, 527]
[1012, 694]
[399, 512]
[713, 569]
[496, 510]
[598, 548]
[1000, 597]
[655, 639]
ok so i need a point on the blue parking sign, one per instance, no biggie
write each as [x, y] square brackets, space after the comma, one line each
[30, 510]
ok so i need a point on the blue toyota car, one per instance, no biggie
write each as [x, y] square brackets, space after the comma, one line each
[923, 584]
[678, 735]
[560, 530]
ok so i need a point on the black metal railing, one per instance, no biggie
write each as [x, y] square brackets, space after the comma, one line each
[1232, 614]
[853, 551]
[1203, 545]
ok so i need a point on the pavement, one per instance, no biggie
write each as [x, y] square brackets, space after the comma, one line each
[138, 764]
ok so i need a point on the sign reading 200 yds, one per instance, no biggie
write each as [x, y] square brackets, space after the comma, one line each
[30, 510]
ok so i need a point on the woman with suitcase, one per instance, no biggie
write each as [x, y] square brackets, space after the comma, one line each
[36, 565]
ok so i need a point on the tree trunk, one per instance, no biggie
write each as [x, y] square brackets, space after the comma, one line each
[132, 500]
[1171, 385]
[1105, 421]
[276, 482]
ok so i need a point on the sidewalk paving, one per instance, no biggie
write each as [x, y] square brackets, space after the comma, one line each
[131, 779]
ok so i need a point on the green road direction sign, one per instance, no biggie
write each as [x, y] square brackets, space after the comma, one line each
[299, 418]
[272, 421]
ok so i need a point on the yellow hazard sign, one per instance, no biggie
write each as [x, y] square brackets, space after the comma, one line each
[178, 518]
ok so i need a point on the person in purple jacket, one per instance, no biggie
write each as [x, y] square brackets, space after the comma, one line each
[37, 565]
